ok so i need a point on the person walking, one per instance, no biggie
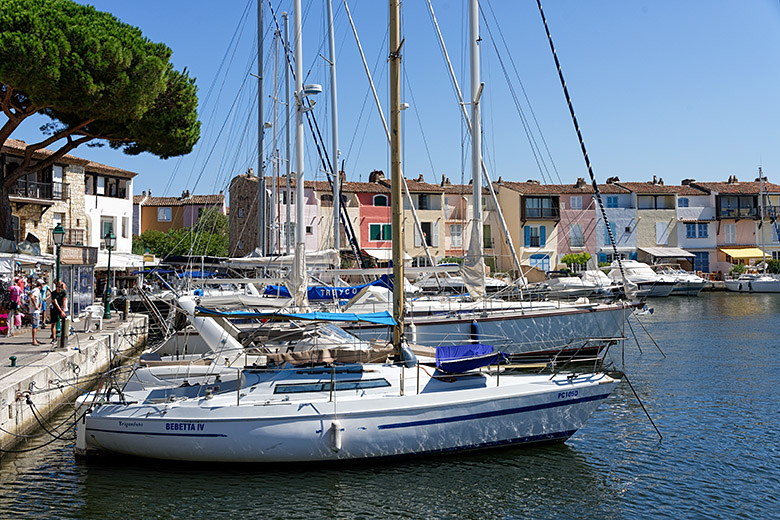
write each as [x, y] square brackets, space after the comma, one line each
[59, 302]
[16, 293]
[35, 306]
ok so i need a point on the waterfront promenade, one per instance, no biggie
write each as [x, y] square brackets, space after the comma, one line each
[46, 377]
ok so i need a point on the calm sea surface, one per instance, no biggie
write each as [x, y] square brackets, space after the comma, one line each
[714, 398]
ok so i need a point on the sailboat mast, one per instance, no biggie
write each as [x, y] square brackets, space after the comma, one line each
[395, 170]
[761, 209]
[261, 224]
[476, 127]
[335, 131]
[288, 175]
[299, 277]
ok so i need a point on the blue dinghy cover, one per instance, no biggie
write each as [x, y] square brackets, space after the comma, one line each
[457, 359]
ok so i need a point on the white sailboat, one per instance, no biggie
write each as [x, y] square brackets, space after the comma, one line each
[299, 411]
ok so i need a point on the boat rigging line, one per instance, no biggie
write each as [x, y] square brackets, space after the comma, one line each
[584, 150]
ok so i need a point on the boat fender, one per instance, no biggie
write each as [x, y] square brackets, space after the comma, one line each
[476, 331]
[413, 332]
[335, 436]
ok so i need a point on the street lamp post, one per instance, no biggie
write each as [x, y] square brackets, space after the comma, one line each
[110, 242]
[58, 237]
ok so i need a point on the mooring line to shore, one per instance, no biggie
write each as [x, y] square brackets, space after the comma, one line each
[625, 376]
[648, 333]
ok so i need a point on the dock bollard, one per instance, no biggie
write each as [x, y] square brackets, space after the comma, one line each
[13, 361]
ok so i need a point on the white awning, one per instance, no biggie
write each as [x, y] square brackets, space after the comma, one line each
[122, 261]
[667, 252]
[384, 254]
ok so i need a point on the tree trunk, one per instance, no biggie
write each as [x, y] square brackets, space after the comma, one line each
[6, 222]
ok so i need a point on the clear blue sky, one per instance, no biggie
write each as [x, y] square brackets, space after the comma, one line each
[668, 88]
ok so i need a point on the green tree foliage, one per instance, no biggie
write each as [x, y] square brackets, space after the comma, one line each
[773, 266]
[737, 269]
[209, 237]
[96, 78]
[575, 258]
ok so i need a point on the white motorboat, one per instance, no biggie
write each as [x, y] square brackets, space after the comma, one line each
[686, 283]
[606, 287]
[569, 287]
[643, 276]
[754, 282]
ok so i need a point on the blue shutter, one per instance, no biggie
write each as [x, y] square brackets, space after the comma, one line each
[632, 256]
[602, 258]
[542, 237]
[527, 237]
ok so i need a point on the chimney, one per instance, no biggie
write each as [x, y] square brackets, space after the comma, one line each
[220, 192]
[150, 192]
[661, 181]
[500, 180]
[613, 180]
[688, 182]
[143, 194]
[420, 178]
[532, 181]
[376, 176]
[342, 176]
[655, 180]
[580, 184]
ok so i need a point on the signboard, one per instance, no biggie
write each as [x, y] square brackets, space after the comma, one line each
[148, 258]
[78, 255]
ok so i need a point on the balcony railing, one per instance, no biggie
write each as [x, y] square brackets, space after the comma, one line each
[542, 213]
[73, 237]
[40, 190]
[739, 213]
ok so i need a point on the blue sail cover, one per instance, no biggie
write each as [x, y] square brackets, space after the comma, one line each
[457, 359]
[324, 292]
[378, 318]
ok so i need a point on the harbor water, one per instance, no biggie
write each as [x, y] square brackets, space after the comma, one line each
[713, 397]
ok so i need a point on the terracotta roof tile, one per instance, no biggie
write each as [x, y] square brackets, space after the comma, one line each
[737, 188]
[192, 200]
[16, 147]
[648, 188]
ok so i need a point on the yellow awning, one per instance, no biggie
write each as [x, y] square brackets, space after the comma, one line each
[743, 252]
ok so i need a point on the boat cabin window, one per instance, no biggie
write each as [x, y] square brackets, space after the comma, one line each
[324, 386]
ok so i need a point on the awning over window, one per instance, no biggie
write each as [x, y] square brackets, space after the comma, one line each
[384, 255]
[667, 252]
[743, 252]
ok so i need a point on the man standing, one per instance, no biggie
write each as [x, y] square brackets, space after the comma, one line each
[35, 307]
[59, 302]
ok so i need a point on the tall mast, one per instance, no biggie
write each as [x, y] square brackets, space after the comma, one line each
[475, 275]
[395, 170]
[335, 131]
[273, 245]
[288, 169]
[761, 209]
[299, 276]
[261, 224]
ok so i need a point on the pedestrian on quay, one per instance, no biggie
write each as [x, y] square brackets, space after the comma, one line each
[16, 293]
[35, 307]
[59, 302]
[45, 292]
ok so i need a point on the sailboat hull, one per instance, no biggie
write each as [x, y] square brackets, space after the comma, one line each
[476, 411]
[537, 332]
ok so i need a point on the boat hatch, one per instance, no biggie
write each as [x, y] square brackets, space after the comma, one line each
[325, 386]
